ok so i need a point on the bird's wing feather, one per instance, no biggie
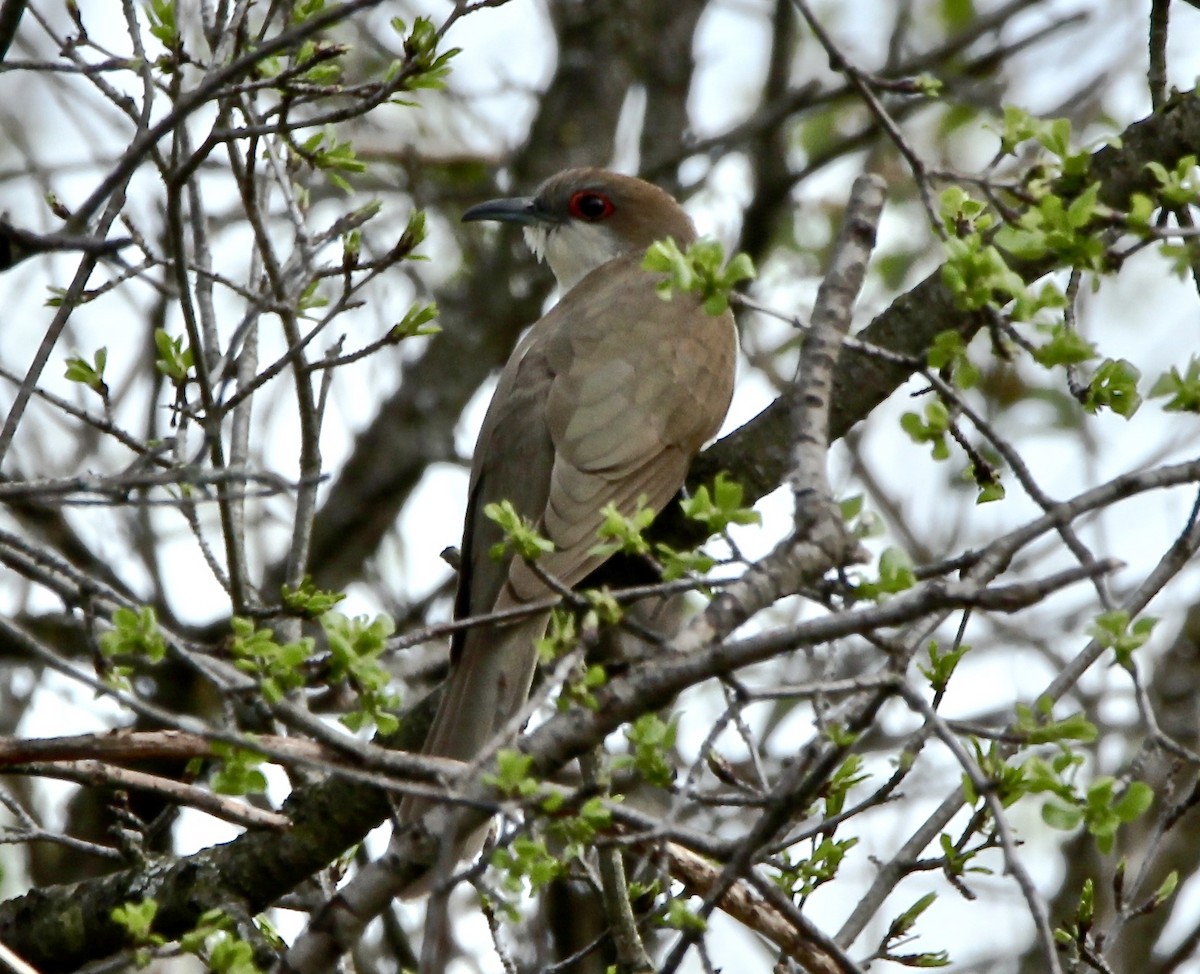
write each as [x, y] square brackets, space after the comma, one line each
[514, 427]
[638, 385]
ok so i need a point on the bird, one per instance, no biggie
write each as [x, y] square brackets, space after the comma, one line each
[606, 400]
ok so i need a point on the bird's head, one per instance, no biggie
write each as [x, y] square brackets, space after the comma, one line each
[582, 218]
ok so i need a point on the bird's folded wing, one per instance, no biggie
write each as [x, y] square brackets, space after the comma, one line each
[639, 384]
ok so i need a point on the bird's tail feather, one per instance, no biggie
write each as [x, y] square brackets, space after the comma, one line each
[488, 685]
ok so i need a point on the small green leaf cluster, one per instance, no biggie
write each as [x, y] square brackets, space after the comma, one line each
[527, 861]
[620, 533]
[513, 778]
[173, 360]
[976, 271]
[216, 943]
[1064, 347]
[310, 299]
[701, 270]
[678, 916]
[935, 428]
[1113, 631]
[415, 231]
[160, 14]
[307, 601]
[1006, 779]
[1177, 187]
[1099, 807]
[679, 564]
[1075, 933]
[520, 537]
[956, 861]
[899, 930]
[237, 773]
[416, 323]
[324, 151]
[896, 575]
[1182, 388]
[561, 636]
[138, 921]
[576, 832]
[800, 878]
[1038, 725]
[1053, 134]
[942, 665]
[90, 374]
[424, 67]
[355, 645]
[581, 687]
[1055, 228]
[651, 740]
[319, 62]
[948, 354]
[1114, 386]
[932, 429]
[626, 534]
[134, 636]
[848, 774]
[860, 522]
[720, 507]
[278, 668]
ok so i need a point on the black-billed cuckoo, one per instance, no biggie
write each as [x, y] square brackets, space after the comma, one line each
[606, 400]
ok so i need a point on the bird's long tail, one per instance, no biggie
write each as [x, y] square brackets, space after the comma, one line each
[488, 685]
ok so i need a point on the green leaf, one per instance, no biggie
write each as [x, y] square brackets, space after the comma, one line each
[134, 633]
[174, 361]
[948, 352]
[1113, 631]
[1065, 347]
[519, 534]
[895, 575]
[904, 922]
[308, 601]
[942, 665]
[415, 322]
[721, 506]
[279, 668]
[160, 15]
[621, 533]
[1167, 889]
[1178, 187]
[699, 270]
[1135, 802]
[651, 742]
[237, 773]
[1038, 726]
[931, 429]
[679, 917]
[90, 374]
[1061, 817]
[138, 921]
[355, 645]
[512, 777]
[1114, 386]
[1183, 389]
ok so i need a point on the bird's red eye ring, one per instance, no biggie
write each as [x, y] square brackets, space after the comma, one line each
[593, 207]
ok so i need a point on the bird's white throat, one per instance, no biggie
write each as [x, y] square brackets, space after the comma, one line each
[573, 249]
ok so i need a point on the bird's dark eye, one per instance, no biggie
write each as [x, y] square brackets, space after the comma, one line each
[589, 206]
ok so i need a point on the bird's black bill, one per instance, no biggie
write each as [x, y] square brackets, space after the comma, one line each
[520, 209]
